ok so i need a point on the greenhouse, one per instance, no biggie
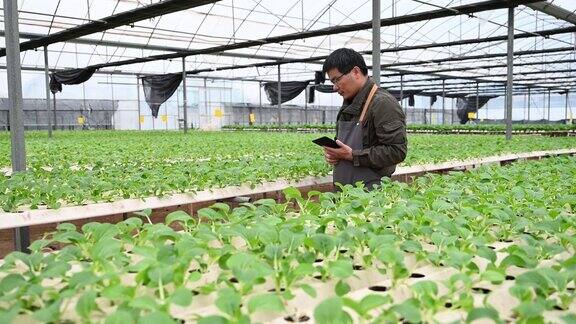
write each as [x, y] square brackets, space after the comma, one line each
[260, 161]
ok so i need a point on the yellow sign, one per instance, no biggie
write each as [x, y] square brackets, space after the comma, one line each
[471, 115]
[252, 118]
[164, 118]
[218, 113]
[141, 119]
[81, 120]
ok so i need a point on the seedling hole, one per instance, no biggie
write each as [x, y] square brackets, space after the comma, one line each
[491, 247]
[274, 289]
[318, 260]
[448, 305]
[417, 275]
[481, 290]
[233, 280]
[378, 288]
[509, 277]
[358, 267]
[343, 251]
[294, 319]
[318, 277]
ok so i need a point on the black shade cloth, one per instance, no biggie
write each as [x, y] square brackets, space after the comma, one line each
[159, 88]
[319, 77]
[468, 104]
[75, 76]
[289, 90]
[405, 94]
[324, 88]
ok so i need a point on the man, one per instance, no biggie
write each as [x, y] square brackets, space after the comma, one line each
[370, 126]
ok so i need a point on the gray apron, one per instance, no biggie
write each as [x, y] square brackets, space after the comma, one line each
[350, 133]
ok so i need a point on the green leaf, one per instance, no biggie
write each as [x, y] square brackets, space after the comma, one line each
[228, 301]
[214, 319]
[155, 318]
[84, 278]
[409, 311]
[484, 312]
[51, 313]
[11, 282]
[411, 246]
[425, 288]
[373, 301]
[144, 302]
[209, 213]
[493, 276]
[530, 310]
[120, 317]
[265, 303]
[181, 297]
[330, 312]
[247, 267]
[309, 290]
[323, 243]
[342, 288]
[340, 268]
[86, 304]
[486, 253]
[177, 216]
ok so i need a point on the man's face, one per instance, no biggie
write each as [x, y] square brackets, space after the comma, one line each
[347, 84]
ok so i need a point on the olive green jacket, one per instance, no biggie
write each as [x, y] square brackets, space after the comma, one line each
[384, 131]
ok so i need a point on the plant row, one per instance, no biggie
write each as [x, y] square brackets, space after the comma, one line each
[517, 128]
[495, 243]
[78, 168]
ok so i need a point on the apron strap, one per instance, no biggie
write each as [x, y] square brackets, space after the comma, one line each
[367, 103]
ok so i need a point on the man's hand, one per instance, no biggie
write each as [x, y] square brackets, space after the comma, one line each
[333, 155]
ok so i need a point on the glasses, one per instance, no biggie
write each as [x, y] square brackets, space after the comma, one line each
[337, 80]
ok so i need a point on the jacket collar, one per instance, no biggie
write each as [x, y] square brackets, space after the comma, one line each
[354, 106]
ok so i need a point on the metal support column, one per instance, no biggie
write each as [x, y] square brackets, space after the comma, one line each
[47, 81]
[509, 81]
[184, 95]
[401, 88]
[477, 99]
[376, 41]
[443, 101]
[15, 102]
[279, 98]
[549, 105]
[260, 101]
[205, 100]
[306, 105]
[54, 111]
[566, 107]
[138, 103]
[529, 103]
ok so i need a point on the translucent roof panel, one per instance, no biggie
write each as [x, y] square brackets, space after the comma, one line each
[237, 21]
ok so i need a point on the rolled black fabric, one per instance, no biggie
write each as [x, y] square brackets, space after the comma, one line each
[405, 94]
[319, 77]
[324, 88]
[468, 104]
[289, 90]
[74, 76]
[159, 88]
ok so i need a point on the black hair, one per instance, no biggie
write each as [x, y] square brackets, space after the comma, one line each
[345, 59]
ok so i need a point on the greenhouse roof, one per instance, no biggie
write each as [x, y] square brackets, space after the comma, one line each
[247, 38]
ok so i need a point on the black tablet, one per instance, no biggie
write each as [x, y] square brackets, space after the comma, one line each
[326, 141]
